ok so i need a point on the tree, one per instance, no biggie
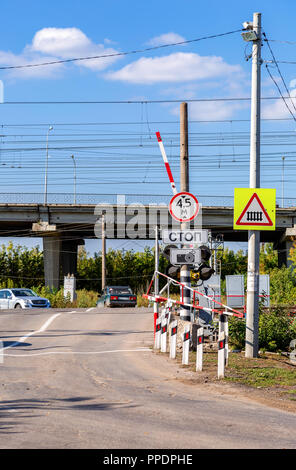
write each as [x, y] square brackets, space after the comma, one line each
[268, 258]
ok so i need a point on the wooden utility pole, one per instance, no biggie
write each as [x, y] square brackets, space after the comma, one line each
[103, 252]
[184, 186]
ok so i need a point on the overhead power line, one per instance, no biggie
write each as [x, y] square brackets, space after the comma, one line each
[282, 78]
[193, 100]
[117, 54]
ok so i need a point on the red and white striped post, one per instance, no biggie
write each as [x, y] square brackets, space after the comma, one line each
[223, 328]
[199, 348]
[157, 333]
[186, 341]
[221, 355]
[173, 339]
[163, 340]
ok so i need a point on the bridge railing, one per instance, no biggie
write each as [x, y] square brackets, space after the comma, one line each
[92, 199]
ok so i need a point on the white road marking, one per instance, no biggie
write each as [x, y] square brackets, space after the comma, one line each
[90, 309]
[80, 352]
[41, 330]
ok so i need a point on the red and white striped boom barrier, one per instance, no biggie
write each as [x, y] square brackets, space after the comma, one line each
[166, 163]
[220, 309]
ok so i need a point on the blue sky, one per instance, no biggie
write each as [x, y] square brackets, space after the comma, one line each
[114, 145]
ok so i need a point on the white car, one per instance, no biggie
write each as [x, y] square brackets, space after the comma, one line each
[21, 298]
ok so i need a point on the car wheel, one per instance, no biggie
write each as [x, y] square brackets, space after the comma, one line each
[18, 306]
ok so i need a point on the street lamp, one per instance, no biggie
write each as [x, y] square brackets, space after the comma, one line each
[46, 166]
[74, 163]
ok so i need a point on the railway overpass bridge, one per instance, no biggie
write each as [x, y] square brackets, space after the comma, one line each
[63, 227]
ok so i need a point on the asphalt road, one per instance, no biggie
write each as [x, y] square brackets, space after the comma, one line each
[88, 379]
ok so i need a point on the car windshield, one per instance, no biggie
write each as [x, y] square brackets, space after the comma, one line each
[23, 293]
[120, 290]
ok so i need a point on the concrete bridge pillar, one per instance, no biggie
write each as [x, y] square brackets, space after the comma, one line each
[51, 256]
[69, 250]
[284, 246]
[60, 258]
[284, 252]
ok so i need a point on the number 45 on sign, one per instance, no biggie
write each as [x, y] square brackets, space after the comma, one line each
[184, 207]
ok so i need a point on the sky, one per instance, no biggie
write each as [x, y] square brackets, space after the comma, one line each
[105, 111]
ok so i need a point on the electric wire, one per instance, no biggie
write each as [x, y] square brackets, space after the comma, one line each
[118, 54]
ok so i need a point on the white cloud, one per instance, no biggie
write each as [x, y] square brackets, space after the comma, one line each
[50, 44]
[176, 67]
[163, 39]
[8, 59]
[214, 110]
[278, 109]
[60, 41]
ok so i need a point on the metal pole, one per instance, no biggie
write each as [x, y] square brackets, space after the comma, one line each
[103, 252]
[184, 186]
[252, 315]
[156, 279]
[283, 168]
[46, 167]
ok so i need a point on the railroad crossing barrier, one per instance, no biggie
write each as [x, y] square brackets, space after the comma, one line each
[162, 324]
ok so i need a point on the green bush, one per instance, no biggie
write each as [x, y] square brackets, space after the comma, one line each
[237, 332]
[276, 330]
[85, 299]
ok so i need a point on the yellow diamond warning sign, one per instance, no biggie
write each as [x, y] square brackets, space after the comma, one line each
[254, 209]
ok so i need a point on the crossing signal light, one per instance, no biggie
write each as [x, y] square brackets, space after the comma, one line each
[205, 271]
[171, 271]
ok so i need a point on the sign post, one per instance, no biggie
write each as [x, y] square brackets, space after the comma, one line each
[254, 210]
[70, 287]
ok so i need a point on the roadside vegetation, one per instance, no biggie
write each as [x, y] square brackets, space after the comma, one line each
[23, 267]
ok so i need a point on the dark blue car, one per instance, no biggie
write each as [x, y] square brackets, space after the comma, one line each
[117, 296]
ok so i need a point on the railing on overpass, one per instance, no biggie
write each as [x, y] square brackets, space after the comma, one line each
[92, 199]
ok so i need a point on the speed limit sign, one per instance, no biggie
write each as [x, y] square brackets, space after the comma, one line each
[184, 207]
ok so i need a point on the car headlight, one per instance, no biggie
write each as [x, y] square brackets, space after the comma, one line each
[27, 302]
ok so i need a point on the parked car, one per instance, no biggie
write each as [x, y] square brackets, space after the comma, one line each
[117, 296]
[21, 298]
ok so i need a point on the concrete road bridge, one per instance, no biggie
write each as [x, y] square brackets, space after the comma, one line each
[65, 226]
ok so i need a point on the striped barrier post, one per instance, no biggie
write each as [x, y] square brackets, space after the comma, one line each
[186, 341]
[221, 355]
[157, 333]
[223, 327]
[173, 339]
[199, 348]
[163, 335]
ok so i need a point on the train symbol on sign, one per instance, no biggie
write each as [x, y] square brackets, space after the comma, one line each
[253, 216]
[254, 213]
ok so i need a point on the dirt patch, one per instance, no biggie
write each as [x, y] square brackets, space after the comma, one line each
[269, 379]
